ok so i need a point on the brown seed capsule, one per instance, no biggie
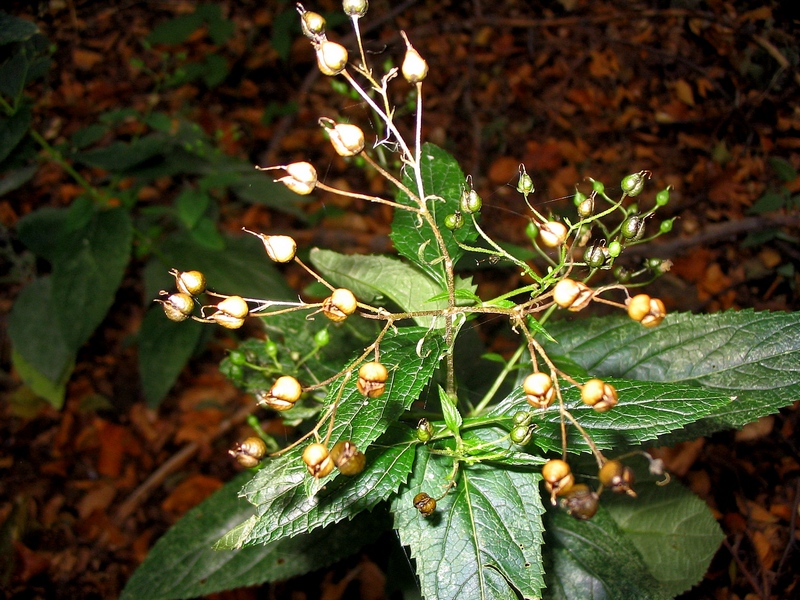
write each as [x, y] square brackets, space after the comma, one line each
[280, 248]
[283, 394]
[414, 68]
[177, 307]
[347, 458]
[539, 390]
[301, 177]
[250, 452]
[227, 321]
[646, 310]
[553, 234]
[192, 283]
[424, 504]
[331, 58]
[580, 502]
[617, 477]
[234, 306]
[572, 295]
[347, 139]
[599, 395]
[558, 478]
[372, 378]
[312, 24]
[318, 460]
[339, 305]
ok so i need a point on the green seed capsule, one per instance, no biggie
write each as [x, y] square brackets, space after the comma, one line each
[522, 417]
[666, 226]
[424, 431]
[322, 338]
[532, 230]
[633, 184]
[633, 227]
[521, 434]
[470, 202]
[595, 256]
[622, 274]
[525, 183]
[454, 221]
[598, 186]
[614, 249]
[662, 197]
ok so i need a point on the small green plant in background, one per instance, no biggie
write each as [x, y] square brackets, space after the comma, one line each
[507, 476]
[116, 222]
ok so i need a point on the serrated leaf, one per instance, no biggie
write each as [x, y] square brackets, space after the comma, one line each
[371, 278]
[594, 559]
[645, 411]
[483, 541]
[85, 281]
[284, 508]
[672, 529]
[442, 177]
[164, 349]
[752, 356]
[182, 564]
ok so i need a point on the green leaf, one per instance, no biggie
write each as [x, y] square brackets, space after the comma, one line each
[15, 178]
[783, 168]
[769, 202]
[175, 31]
[645, 411]
[12, 130]
[672, 529]
[484, 539]
[183, 564]
[13, 29]
[164, 349]
[191, 205]
[13, 76]
[53, 391]
[260, 189]
[752, 356]
[452, 417]
[124, 156]
[442, 177]
[594, 559]
[207, 234]
[286, 507]
[373, 278]
[86, 280]
[37, 339]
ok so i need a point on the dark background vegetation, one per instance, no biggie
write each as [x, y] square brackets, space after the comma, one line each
[702, 94]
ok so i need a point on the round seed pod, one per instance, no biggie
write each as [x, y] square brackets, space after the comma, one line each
[280, 248]
[355, 8]
[177, 307]
[572, 295]
[339, 305]
[633, 184]
[234, 306]
[226, 320]
[250, 452]
[539, 390]
[617, 477]
[312, 24]
[646, 310]
[331, 58]
[414, 67]
[301, 177]
[424, 504]
[596, 256]
[372, 378]
[424, 431]
[318, 460]
[580, 502]
[283, 394]
[599, 395]
[521, 434]
[347, 458]
[192, 283]
[454, 221]
[553, 234]
[633, 227]
[558, 478]
[347, 139]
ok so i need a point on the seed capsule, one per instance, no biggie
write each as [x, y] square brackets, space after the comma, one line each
[331, 58]
[553, 234]
[572, 295]
[301, 177]
[539, 390]
[454, 221]
[617, 477]
[318, 460]
[282, 395]
[646, 310]
[596, 256]
[558, 478]
[177, 307]
[580, 502]
[414, 68]
[355, 8]
[347, 139]
[424, 431]
[339, 305]
[280, 248]
[521, 434]
[372, 378]
[599, 395]
[347, 458]
[633, 227]
[192, 283]
[312, 24]
[470, 201]
[634, 184]
[424, 504]
[250, 452]
[235, 306]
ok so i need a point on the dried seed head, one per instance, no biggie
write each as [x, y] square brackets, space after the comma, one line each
[347, 139]
[283, 394]
[617, 477]
[572, 295]
[234, 306]
[189, 282]
[646, 310]
[580, 502]
[424, 504]
[355, 8]
[347, 458]
[553, 234]
[331, 58]
[313, 25]
[226, 320]
[539, 390]
[280, 248]
[372, 378]
[339, 305]
[414, 68]
[250, 452]
[558, 478]
[177, 307]
[318, 460]
[599, 395]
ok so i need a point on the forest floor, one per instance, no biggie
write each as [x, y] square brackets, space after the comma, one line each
[704, 99]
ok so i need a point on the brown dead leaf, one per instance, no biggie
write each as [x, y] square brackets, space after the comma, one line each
[85, 59]
[684, 92]
[98, 497]
[190, 492]
[112, 448]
